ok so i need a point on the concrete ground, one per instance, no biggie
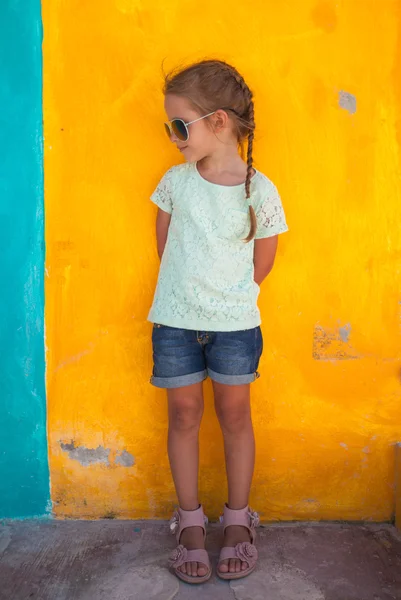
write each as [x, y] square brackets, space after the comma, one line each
[125, 560]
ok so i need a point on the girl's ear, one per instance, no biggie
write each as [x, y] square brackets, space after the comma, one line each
[220, 119]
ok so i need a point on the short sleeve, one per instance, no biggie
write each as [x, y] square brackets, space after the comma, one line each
[269, 211]
[163, 194]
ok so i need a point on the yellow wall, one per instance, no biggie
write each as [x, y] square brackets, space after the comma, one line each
[327, 408]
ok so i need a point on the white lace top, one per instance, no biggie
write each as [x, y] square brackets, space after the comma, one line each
[206, 279]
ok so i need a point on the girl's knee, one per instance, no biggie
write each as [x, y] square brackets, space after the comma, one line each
[234, 417]
[185, 414]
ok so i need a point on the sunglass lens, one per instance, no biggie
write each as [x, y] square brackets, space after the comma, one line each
[180, 129]
[167, 128]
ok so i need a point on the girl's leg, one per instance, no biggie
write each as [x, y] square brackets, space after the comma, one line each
[185, 410]
[233, 410]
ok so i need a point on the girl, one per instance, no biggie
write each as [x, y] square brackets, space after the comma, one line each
[217, 228]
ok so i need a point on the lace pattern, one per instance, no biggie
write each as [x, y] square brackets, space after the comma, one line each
[206, 274]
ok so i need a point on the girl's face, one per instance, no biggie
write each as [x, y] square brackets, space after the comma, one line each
[202, 139]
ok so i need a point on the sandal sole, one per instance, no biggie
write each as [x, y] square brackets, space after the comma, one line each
[192, 580]
[240, 575]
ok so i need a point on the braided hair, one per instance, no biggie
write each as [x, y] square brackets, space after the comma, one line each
[211, 85]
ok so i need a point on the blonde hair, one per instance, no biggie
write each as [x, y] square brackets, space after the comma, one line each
[211, 85]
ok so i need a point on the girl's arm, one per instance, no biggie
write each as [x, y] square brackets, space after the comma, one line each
[263, 257]
[162, 224]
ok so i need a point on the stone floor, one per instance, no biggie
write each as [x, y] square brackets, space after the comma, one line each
[125, 560]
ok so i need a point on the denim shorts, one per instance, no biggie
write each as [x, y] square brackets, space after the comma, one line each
[184, 357]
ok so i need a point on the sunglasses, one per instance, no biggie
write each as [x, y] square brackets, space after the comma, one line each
[179, 128]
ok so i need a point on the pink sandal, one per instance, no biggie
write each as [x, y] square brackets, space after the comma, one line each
[180, 520]
[245, 551]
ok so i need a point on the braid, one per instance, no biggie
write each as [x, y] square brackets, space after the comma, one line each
[252, 215]
[250, 122]
[250, 148]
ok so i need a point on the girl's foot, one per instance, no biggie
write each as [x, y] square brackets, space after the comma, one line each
[192, 538]
[234, 535]
[238, 556]
[190, 560]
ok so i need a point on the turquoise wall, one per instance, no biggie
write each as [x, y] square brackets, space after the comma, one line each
[24, 475]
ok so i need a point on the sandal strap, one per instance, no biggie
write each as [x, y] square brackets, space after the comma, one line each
[244, 551]
[245, 517]
[182, 519]
[182, 555]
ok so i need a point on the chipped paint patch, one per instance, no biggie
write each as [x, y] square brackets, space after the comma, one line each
[86, 456]
[345, 332]
[333, 343]
[125, 459]
[347, 101]
[90, 456]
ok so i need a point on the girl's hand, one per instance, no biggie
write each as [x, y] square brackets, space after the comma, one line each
[162, 224]
[263, 257]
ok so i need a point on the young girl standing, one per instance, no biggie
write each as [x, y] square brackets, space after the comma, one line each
[217, 228]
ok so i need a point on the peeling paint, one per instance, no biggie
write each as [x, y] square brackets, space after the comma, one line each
[345, 332]
[333, 343]
[89, 456]
[125, 459]
[86, 456]
[347, 101]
